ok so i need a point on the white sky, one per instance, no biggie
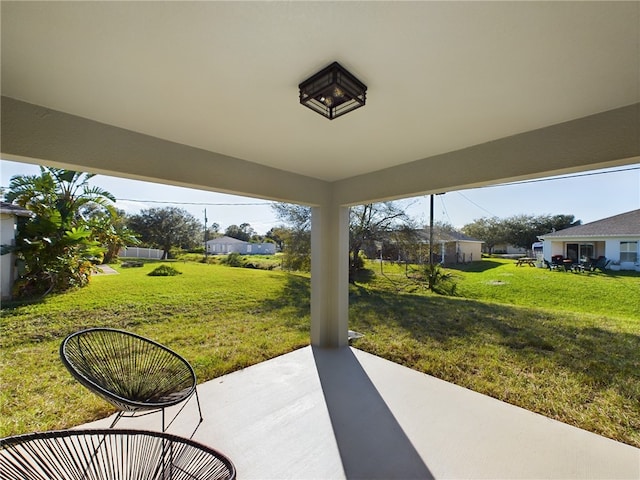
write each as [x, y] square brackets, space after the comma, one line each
[588, 196]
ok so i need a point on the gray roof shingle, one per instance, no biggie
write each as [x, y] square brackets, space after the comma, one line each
[446, 236]
[13, 209]
[623, 224]
[225, 240]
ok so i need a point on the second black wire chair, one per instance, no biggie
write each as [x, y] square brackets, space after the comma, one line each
[135, 374]
[110, 455]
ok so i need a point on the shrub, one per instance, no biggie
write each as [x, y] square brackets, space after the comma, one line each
[234, 259]
[164, 271]
[438, 280]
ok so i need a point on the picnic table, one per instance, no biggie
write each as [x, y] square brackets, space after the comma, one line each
[526, 261]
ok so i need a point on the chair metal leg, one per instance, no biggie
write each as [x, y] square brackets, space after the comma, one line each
[180, 411]
[115, 420]
[121, 414]
[198, 401]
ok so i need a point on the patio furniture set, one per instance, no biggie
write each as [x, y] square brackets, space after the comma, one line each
[138, 376]
[558, 262]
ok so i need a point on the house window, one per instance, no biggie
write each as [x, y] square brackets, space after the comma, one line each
[629, 252]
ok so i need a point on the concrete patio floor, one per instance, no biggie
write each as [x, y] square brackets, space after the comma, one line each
[346, 414]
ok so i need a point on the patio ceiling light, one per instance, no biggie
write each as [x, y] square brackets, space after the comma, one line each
[332, 92]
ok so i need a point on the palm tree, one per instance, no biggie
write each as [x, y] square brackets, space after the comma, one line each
[111, 231]
[57, 242]
[65, 191]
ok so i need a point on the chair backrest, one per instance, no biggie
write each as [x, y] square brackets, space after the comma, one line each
[601, 262]
[110, 455]
[128, 370]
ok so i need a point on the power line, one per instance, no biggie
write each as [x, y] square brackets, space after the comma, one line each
[170, 202]
[193, 203]
[549, 179]
[576, 175]
[471, 201]
[444, 208]
[563, 177]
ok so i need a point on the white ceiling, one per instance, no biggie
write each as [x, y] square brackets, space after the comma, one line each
[223, 76]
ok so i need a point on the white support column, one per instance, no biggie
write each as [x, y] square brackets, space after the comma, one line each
[329, 276]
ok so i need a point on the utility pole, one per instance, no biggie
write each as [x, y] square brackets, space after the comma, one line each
[431, 229]
[432, 273]
[431, 234]
[206, 236]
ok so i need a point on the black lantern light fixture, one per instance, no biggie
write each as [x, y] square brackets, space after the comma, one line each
[332, 92]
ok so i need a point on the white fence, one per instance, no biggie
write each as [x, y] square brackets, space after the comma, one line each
[139, 252]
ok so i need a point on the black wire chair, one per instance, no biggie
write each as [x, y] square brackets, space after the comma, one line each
[110, 455]
[136, 375]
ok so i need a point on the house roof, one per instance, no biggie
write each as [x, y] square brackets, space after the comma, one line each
[446, 236]
[619, 225]
[225, 240]
[215, 85]
[13, 209]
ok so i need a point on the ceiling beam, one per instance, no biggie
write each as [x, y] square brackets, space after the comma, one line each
[603, 140]
[34, 134]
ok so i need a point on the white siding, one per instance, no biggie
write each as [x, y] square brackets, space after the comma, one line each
[7, 271]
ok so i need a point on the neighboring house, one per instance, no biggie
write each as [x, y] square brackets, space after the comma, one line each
[450, 247]
[507, 249]
[454, 247]
[616, 238]
[9, 214]
[225, 245]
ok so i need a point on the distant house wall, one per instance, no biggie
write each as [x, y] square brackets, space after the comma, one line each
[9, 215]
[450, 247]
[613, 251]
[467, 251]
[609, 248]
[461, 252]
[261, 248]
[225, 248]
[226, 245]
[551, 248]
[7, 262]
[508, 249]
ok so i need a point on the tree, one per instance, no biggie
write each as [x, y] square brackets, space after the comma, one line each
[213, 230]
[243, 232]
[402, 244]
[167, 227]
[111, 231]
[369, 223]
[295, 239]
[277, 235]
[490, 230]
[519, 230]
[523, 230]
[57, 243]
[64, 191]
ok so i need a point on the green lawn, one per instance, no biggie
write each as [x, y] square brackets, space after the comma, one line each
[561, 344]
[220, 318]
